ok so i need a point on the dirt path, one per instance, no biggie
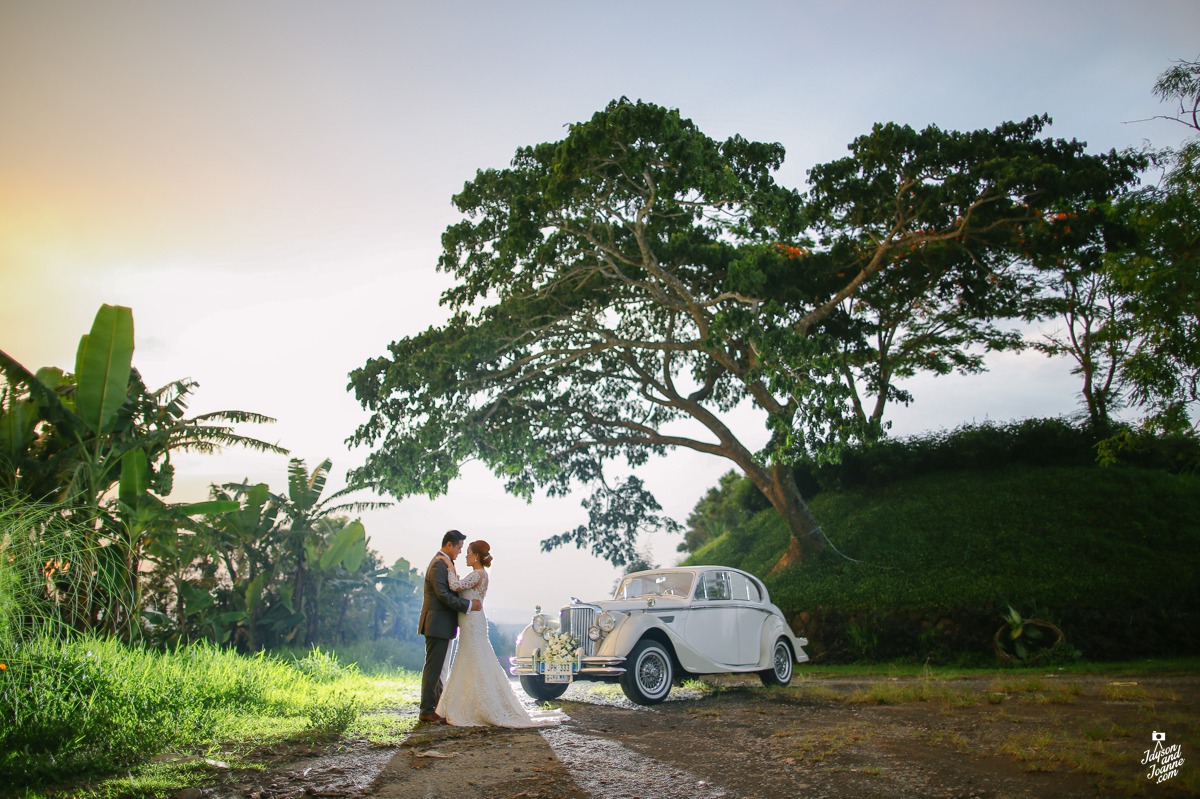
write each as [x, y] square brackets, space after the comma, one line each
[1017, 735]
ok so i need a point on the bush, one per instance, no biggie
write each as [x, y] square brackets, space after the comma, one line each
[924, 568]
[986, 447]
[382, 656]
[332, 712]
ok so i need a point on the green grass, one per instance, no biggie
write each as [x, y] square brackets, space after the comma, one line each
[92, 706]
[76, 710]
[1104, 553]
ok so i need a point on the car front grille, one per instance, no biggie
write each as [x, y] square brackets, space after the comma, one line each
[576, 619]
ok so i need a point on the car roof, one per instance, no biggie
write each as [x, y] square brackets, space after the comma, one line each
[698, 570]
[693, 569]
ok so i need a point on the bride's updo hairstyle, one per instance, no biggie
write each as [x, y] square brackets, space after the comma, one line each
[483, 551]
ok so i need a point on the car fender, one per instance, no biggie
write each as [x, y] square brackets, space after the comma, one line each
[772, 631]
[528, 640]
[621, 641]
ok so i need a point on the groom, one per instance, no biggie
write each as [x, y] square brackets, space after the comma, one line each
[439, 621]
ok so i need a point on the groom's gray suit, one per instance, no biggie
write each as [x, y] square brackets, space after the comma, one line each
[439, 624]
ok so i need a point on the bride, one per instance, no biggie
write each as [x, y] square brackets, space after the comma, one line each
[478, 692]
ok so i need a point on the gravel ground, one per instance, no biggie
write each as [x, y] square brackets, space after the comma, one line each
[1015, 736]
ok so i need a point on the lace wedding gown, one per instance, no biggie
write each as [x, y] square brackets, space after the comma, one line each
[478, 692]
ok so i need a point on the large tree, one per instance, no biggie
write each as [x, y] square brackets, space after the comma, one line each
[619, 292]
[1128, 305]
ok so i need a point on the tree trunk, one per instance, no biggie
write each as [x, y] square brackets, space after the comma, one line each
[339, 633]
[298, 590]
[313, 613]
[778, 485]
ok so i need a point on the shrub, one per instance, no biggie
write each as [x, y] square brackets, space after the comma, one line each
[925, 567]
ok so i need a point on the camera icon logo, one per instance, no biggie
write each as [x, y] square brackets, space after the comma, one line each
[1158, 736]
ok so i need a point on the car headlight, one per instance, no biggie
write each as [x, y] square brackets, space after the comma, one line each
[593, 633]
[606, 621]
[539, 624]
[546, 634]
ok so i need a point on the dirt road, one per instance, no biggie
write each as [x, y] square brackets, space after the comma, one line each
[1019, 734]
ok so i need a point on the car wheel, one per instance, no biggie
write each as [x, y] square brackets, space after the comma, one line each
[648, 673]
[543, 691]
[780, 672]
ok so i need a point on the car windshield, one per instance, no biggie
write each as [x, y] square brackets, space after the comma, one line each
[655, 584]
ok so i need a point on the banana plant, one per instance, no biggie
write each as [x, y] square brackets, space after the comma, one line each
[305, 508]
[250, 547]
[166, 533]
[73, 439]
[334, 556]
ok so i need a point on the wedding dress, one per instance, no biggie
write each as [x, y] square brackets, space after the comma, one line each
[478, 692]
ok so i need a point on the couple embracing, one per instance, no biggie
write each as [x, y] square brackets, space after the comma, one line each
[477, 692]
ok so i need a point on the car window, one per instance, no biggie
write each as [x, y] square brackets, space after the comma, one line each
[743, 588]
[662, 584]
[715, 585]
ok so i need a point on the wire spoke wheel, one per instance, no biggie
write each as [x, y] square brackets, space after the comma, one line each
[780, 672]
[649, 673]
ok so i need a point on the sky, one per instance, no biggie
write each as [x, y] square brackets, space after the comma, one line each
[266, 184]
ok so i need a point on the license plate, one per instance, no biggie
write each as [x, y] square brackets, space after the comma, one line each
[559, 671]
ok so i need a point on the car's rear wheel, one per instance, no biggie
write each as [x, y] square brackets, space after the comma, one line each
[543, 691]
[780, 672]
[648, 673]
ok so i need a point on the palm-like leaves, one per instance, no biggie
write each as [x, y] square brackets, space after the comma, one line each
[73, 439]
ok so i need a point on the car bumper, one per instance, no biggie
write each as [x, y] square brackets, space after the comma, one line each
[589, 667]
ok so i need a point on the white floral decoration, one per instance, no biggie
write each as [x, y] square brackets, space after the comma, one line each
[560, 647]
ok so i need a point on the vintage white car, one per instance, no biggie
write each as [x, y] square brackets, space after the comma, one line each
[660, 627]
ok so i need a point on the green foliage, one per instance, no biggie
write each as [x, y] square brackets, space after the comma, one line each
[322, 666]
[71, 440]
[330, 713]
[50, 572]
[1181, 84]
[90, 543]
[1129, 301]
[718, 512]
[927, 564]
[102, 368]
[1159, 281]
[1032, 442]
[989, 447]
[1025, 640]
[639, 273]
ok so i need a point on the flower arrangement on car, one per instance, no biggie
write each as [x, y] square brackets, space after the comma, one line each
[558, 660]
[560, 646]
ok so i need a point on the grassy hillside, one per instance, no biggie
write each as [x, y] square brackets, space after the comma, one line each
[1110, 555]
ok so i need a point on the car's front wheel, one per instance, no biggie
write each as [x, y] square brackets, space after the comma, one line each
[780, 672]
[543, 691]
[648, 673]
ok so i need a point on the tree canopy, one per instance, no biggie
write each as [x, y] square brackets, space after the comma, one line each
[619, 292]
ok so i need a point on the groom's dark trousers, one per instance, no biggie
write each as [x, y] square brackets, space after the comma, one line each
[439, 624]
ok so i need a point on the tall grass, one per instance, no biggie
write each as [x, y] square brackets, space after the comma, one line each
[74, 704]
[96, 705]
[52, 573]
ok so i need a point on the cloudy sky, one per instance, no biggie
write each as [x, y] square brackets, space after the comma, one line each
[265, 184]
